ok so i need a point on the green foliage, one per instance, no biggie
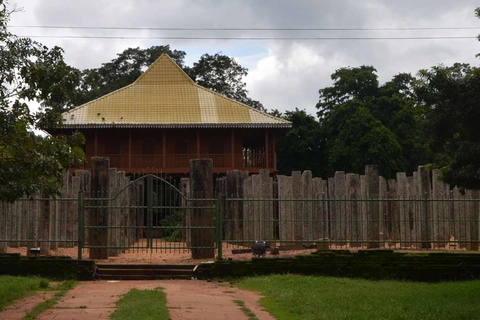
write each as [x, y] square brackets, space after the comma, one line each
[224, 75]
[30, 71]
[451, 96]
[173, 220]
[364, 140]
[14, 288]
[365, 123]
[62, 289]
[306, 297]
[142, 305]
[301, 147]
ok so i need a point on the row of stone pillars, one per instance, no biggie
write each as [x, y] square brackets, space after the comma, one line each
[200, 216]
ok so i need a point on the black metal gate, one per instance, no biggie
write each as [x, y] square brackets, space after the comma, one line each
[148, 214]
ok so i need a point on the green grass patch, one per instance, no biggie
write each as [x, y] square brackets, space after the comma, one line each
[14, 288]
[142, 305]
[62, 288]
[249, 313]
[308, 297]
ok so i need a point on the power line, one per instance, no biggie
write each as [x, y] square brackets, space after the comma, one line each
[243, 29]
[248, 38]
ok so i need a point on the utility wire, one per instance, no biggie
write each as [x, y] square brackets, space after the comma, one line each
[248, 38]
[243, 29]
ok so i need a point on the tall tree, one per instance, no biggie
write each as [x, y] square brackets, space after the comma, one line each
[367, 123]
[30, 71]
[224, 75]
[301, 147]
[451, 97]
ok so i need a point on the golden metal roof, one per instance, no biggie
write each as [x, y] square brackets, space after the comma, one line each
[165, 97]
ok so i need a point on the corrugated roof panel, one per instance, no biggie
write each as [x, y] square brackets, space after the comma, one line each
[165, 96]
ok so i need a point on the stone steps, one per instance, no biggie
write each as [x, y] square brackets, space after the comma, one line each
[143, 272]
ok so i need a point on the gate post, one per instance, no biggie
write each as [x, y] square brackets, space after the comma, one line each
[99, 215]
[202, 229]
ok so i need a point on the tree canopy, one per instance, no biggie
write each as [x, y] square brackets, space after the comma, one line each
[31, 72]
[364, 122]
[451, 98]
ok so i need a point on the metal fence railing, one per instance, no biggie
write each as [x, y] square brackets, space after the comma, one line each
[152, 223]
[407, 224]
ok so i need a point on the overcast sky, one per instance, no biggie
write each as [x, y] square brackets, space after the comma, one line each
[282, 74]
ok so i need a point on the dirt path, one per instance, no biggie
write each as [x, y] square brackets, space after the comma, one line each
[186, 299]
[20, 308]
[208, 300]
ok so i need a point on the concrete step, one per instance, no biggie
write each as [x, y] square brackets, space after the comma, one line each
[145, 266]
[141, 277]
[144, 271]
[169, 272]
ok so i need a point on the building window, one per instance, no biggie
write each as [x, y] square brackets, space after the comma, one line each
[148, 147]
[113, 147]
[181, 146]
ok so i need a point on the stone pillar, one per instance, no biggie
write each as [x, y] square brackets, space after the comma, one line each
[267, 205]
[459, 210]
[297, 205]
[363, 208]
[113, 212]
[233, 188]
[353, 208]
[382, 206]
[402, 209]
[332, 217]
[340, 210]
[248, 213]
[99, 216]
[285, 208]
[373, 223]
[319, 210]
[72, 223]
[392, 212]
[3, 227]
[201, 188]
[307, 195]
[43, 223]
[425, 221]
[440, 210]
[472, 220]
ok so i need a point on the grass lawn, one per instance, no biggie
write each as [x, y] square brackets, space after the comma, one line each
[142, 305]
[14, 288]
[306, 297]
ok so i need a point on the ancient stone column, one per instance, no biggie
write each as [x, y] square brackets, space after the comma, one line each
[201, 188]
[439, 210]
[353, 208]
[403, 209]
[285, 209]
[308, 206]
[373, 223]
[297, 205]
[98, 237]
[425, 219]
[340, 209]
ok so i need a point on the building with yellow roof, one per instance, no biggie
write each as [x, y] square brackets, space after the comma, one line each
[164, 119]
